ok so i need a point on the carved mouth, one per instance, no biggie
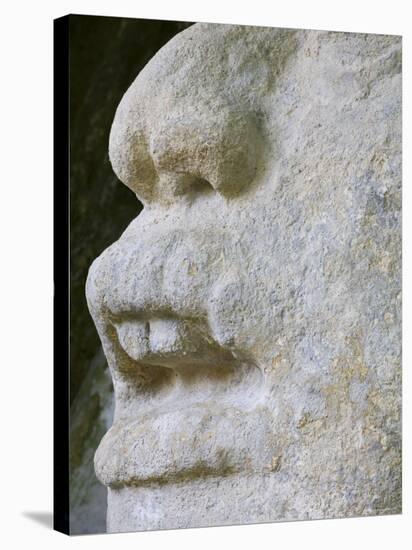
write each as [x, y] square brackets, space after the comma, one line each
[193, 408]
[172, 342]
[175, 363]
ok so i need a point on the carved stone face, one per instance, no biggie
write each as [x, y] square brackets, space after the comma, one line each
[242, 312]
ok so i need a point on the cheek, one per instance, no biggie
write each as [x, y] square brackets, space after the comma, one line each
[243, 313]
[190, 270]
[229, 312]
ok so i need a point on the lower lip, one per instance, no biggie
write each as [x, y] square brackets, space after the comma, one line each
[201, 441]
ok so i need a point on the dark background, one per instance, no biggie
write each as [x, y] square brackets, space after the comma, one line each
[106, 54]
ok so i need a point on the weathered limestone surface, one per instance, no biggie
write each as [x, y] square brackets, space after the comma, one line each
[250, 314]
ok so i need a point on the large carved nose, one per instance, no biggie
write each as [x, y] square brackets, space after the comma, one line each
[184, 151]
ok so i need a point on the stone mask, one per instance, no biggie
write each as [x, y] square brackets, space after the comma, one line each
[250, 313]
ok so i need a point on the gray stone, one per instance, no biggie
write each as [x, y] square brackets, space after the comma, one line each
[91, 415]
[250, 315]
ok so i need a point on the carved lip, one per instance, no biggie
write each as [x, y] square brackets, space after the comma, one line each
[179, 445]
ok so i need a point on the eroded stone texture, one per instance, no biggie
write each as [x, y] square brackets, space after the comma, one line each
[250, 314]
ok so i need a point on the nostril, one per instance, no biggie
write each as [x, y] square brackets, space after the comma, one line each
[182, 184]
[202, 185]
[196, 186]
